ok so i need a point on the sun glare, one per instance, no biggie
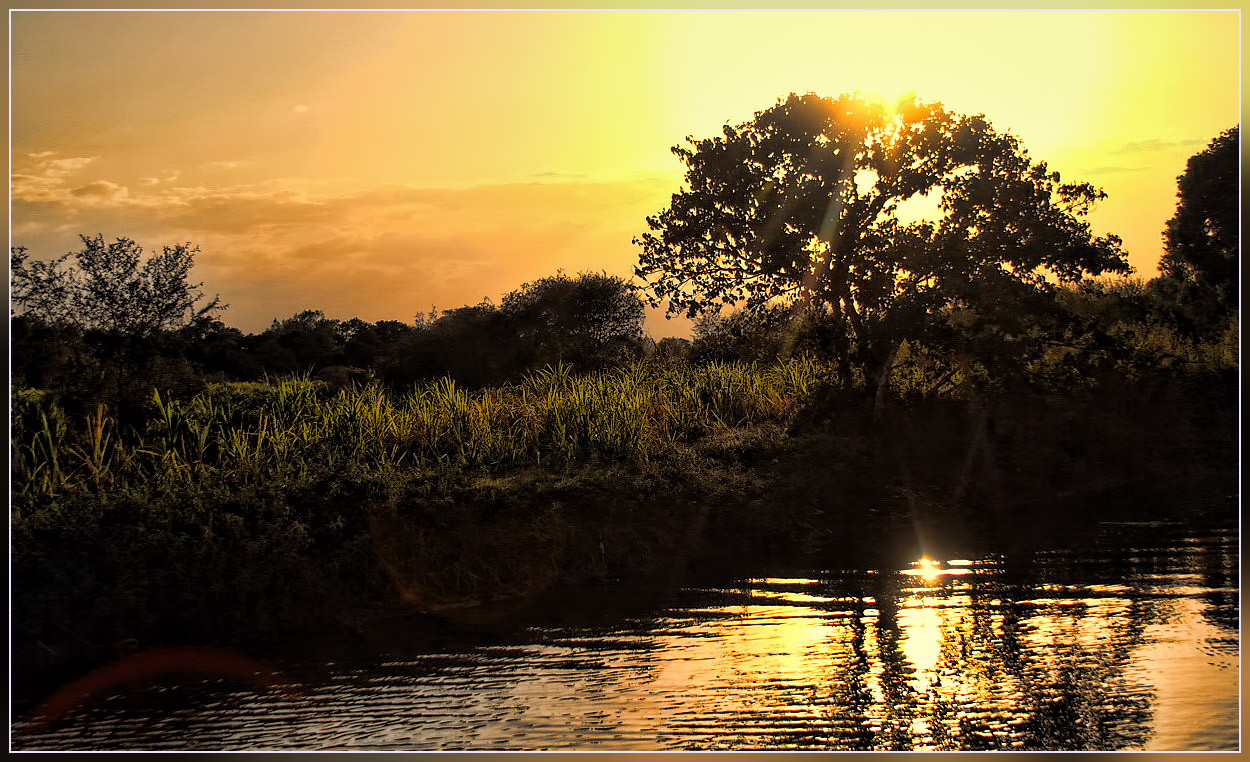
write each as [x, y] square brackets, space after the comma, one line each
[930, 570]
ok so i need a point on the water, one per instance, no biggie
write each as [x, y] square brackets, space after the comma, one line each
[1126, 640]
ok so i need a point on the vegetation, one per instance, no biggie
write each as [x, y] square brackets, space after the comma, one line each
[294, 427]
[802, 206]
[174, 480]
[1202, 256]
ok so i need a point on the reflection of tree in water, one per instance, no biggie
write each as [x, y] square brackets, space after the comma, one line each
[896, 700]
[1037, 651]
[1017, 666]
[1051, 662]
[858, 698]
[1218, 566]
[1076, 688]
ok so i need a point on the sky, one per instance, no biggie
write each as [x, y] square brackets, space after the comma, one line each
[378, 165]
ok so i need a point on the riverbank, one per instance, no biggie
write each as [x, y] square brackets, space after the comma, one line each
[343, 553]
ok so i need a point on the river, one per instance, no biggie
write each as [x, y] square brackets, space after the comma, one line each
[1125, 638]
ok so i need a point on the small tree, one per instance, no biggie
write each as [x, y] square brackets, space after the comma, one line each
[305, 342]
[593, 320]
[474, 345]
[370, 345]
[111, 287]
[802, 205]
[121, 313]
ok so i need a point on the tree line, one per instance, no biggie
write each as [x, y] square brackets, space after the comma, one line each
[786, 238]
[85, 358]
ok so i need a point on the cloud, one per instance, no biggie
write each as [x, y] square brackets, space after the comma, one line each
[67, 166]
[100, 190]
[276, 247]
[1154, 144]
[236, 210]
[1111, 170]
[47, 166]
[45, 178]
[169, 178]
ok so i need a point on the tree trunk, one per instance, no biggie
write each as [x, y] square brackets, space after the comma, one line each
[883, 380]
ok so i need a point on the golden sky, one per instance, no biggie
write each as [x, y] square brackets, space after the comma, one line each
[374, 165]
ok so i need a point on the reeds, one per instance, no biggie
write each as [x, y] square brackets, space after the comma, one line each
[294, 427]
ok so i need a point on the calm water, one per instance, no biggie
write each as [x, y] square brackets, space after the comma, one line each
[1129, 641]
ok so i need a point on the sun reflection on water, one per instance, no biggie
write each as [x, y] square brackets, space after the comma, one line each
[1052, 654]
[930, 570]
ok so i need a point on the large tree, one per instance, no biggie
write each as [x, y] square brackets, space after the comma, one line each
[1201, 240]
[804, 205]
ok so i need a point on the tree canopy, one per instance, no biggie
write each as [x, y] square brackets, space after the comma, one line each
[1201, 240]
[805, 204]
[111, 287]
[589, 321]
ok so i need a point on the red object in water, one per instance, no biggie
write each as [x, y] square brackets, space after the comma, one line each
[146, 668]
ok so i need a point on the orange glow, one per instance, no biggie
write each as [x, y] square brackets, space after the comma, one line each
[373, 164]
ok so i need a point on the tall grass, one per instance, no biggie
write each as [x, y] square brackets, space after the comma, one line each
[293, 427]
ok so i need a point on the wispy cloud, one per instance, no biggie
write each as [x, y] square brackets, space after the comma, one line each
[1153, 145]
[273, 248]
[44, 176]
[101, 191]
[1112, 170]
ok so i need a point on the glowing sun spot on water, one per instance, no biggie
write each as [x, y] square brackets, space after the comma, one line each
[929, 570]
[925, 568]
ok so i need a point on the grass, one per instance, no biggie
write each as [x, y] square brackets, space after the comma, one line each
[291, 428]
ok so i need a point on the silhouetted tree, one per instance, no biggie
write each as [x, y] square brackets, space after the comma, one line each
[476, 346]
[119, 314]
[220, 351]
[591, 321]
[1201, 240]
[672, 349]
[111, 287]
[763, 334]
[56, 357]
[303, 343]
[802, 204]
[372, 345]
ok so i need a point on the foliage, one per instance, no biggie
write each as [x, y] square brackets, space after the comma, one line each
[475, 346]
[294, 427]
[108, 327]
[304, 342]
[111, 287]
[370, 345]
[591, 321]
[764, 334]
[1201, 240]
[804, 204]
